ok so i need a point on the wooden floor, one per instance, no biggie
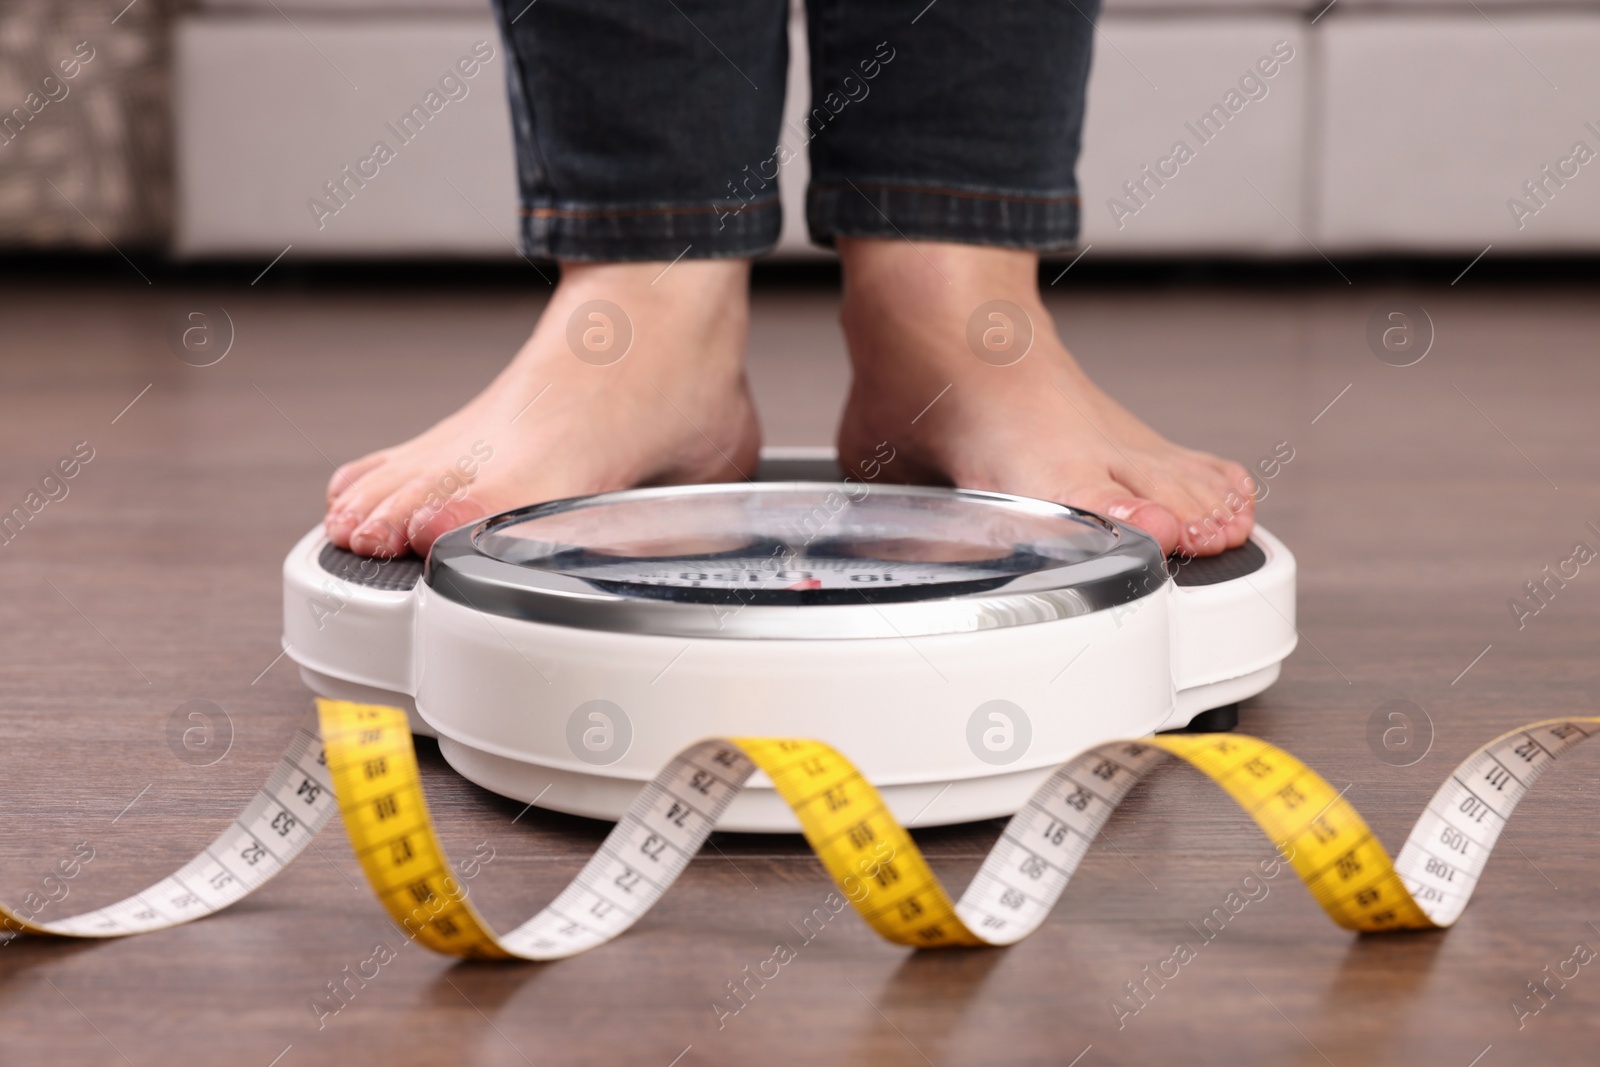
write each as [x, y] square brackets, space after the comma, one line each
[1418, 504]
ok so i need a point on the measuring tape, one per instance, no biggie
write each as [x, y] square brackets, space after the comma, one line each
[359, 759]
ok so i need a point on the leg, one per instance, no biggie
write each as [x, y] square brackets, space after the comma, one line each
[632, 129]
[940, 185]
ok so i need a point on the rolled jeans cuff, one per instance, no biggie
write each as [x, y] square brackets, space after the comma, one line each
[607, 233]
[997, 218]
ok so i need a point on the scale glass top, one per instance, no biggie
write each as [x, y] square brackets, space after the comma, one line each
[795, 560]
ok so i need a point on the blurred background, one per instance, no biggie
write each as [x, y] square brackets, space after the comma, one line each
[202, 129]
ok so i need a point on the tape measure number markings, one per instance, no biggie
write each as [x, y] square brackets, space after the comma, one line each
[275, 827]
[364, 763]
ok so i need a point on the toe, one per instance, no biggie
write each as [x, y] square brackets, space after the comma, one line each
[1211, 532]
[1244, 520]
[418, 513]
[1202, 538]
[1214, 502]
[430, 523]
[383, 532]
[1226, 513]
[1147, 515]
[359, 503]
[351, 473]
[380, 537]
[341, 522]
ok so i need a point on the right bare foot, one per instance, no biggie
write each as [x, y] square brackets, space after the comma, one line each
[567, 417]
[1036, 426]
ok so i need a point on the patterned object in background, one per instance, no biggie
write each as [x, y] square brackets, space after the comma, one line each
[102, 136]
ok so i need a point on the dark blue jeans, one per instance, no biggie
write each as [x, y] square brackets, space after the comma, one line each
[649, 129]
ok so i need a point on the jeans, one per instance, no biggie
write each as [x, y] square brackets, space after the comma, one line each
[650, 129]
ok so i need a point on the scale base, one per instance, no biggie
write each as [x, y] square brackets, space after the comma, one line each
[1216, 721]
[761, 809]
[351, 626]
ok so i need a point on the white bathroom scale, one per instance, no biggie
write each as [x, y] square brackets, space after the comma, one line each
[955, 645]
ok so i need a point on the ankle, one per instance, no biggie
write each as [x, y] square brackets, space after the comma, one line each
[709, 291]
[931, 289]
[663, 315]
[936, 272]
[932, 308]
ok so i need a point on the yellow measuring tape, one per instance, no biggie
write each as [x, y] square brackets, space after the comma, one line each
[359, 758]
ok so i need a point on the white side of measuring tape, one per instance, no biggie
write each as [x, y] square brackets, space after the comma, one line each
[368, 771]
[275, 827]
[1450, 844]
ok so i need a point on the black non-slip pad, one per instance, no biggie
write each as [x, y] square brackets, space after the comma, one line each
[1224, 567]
[391, 575]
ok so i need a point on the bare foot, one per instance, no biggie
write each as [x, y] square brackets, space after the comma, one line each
[917, 316]
[632, 376]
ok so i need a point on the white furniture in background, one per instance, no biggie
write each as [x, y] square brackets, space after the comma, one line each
[1397, 127]
[1459, 117]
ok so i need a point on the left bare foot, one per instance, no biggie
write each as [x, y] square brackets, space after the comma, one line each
[918, 315]
[673, 408]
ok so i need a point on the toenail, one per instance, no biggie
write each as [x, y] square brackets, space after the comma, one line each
[1121, 511]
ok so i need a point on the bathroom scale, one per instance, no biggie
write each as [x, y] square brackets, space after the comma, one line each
[956, 645]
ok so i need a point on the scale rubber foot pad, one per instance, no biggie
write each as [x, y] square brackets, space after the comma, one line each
[360, 760]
